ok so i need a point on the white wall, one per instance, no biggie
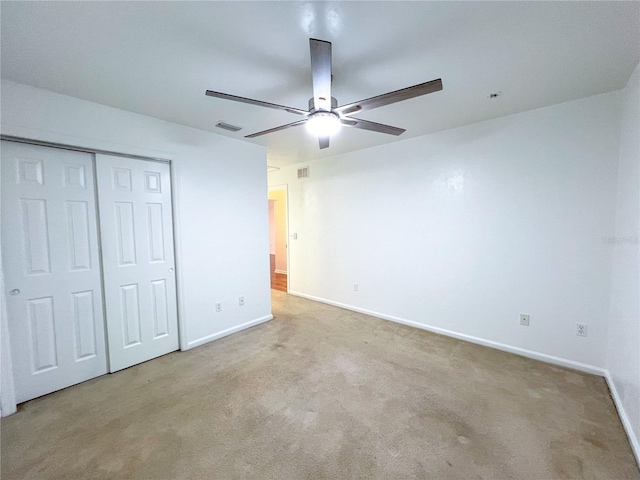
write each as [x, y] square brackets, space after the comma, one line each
[220, 191]
[462, 230]
[623, 359]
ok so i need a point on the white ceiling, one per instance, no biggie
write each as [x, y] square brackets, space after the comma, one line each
[158, 58]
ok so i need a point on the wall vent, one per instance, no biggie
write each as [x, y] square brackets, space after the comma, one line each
[303, 172]
[229, 127]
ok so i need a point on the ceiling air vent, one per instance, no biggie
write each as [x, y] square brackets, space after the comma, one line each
[303, 172]
[227, 126]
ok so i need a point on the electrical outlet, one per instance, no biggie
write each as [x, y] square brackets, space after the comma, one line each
[581, 329]
[524, 319]
[241, 301]
[218, 307]
[355, 287]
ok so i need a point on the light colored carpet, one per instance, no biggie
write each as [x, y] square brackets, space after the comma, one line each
[318, 393]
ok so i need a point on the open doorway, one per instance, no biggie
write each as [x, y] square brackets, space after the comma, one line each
[278, 254]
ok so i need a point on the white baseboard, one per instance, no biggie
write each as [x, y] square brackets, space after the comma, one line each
[228, 331]
[543, 357]
[282, 272]
[631, 435]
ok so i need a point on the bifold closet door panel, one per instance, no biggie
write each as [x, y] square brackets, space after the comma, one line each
[52, 268]
[134, 198]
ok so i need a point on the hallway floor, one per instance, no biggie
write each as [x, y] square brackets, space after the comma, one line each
[278, 280]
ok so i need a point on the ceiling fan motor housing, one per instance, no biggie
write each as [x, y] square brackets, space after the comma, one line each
[334, 104]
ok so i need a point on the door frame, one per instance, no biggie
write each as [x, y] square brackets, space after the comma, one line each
[9, 405]
[285, 187]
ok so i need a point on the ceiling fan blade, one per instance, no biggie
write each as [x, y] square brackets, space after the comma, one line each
[324, 142]
[259, 103]
[391, 97]
[277, 129]
[373, 126]
[321, 73]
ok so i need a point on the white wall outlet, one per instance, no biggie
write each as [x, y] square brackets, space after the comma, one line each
[218, 307]
[524, 319]
[355, 287]
[581, 329]
[241, 301]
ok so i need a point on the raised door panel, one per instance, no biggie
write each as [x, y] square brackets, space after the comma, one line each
[79, 235]
[30, 171]
[35, 236]
[125, 233]
[75, 176]
[84, 325]
[43, 345]
[155, 232]
[130, 314]
[160, 308]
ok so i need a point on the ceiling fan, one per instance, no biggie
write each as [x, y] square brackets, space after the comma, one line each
[324, 117]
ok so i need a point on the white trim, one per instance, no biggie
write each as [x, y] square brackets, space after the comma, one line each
[543, 357]
[228, 331]
[633, 439]
[93, 151]
[177, 257]
[281, 272]
[8, 404]
[90, 145]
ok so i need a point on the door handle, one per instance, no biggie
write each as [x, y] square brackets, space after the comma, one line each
[171, 270]
[15, 291]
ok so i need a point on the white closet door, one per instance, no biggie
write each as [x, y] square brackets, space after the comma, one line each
[134, 198]
[52, 268]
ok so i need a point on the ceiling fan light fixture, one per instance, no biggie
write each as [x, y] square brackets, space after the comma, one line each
[323, 124]
[324, 117]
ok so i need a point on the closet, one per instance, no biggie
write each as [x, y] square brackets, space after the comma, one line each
[88, 261]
